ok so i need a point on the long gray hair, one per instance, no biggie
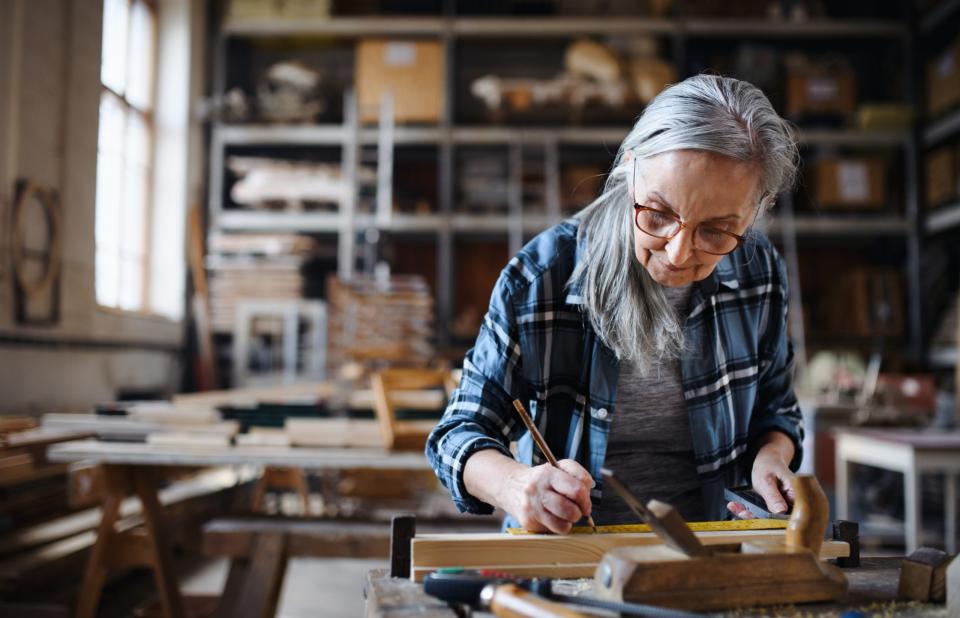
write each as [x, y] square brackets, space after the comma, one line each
[726, 116]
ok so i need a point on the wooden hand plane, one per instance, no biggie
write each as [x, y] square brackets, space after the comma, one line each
[731, 576]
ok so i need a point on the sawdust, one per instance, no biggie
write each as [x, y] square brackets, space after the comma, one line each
[886, 609]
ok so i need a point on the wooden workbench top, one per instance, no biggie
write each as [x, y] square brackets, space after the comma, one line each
[127, 453]
[873, 588]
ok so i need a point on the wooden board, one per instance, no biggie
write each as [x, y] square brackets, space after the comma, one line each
[122, 427]
[528, 552]
[335, 432]
[188, 439]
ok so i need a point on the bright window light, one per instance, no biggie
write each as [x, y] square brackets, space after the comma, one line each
[124, 160]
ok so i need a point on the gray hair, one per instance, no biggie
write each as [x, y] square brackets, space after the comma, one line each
[726, 116]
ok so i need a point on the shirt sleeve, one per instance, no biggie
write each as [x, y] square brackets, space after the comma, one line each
[479, 415]
[777, 408]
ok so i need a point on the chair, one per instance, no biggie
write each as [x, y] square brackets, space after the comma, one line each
[405, 435]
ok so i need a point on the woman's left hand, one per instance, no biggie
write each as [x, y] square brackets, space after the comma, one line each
[771, 476]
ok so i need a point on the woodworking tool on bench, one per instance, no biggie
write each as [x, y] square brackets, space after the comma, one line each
[541, 443]
[468, 587]
[753, 502]
[662, 518]
[758, 572]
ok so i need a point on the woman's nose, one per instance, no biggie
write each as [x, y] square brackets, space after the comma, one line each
[680, 247]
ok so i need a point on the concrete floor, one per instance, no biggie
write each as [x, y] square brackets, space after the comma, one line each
[312, 587]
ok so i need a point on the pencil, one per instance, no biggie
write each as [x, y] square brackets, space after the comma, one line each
[541, 443]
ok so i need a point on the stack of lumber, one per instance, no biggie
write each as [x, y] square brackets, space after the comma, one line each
[47, 556]
[31, 488]
[154, 422]
[254, 267]
[380, 322]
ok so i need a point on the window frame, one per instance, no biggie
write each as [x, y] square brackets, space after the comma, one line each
[148, 117]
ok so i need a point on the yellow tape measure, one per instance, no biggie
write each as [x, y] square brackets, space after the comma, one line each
[696, 526]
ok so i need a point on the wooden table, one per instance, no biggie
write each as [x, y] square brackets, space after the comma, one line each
[913, 453]
[873, 590]
[134, 468]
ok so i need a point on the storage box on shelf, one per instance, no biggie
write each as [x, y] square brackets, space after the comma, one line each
[850, 183]
[411, 72]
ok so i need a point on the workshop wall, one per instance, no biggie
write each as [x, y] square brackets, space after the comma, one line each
[49, 99]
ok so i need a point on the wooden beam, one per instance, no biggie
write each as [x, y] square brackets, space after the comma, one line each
[527, 551]
[235, 538]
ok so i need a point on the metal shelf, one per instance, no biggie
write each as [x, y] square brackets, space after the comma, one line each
[312, 135]
[570, 26]
[942, 128]
[941, 11]
[943, 357]
[853, 137]
[836, 226]
[335, 134]
[559, 26]
[337, 26]
[819, 28]
[943, 218]
[250, 221]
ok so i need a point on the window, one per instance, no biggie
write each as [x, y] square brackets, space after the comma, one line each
[124, 154]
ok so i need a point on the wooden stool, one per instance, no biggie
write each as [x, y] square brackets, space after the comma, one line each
[290, 479]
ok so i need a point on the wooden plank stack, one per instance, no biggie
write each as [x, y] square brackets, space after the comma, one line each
[250, 267]
[379, 323]
[31, 488]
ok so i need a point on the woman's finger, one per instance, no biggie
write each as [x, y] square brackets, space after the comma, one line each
[561, 507]
[555, 524]
[572, 488]
[767, 488]
[574, 469]
[739, 511]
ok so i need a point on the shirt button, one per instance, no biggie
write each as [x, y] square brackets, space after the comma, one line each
[602, 413]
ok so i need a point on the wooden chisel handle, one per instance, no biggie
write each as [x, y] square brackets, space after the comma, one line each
[511, 601]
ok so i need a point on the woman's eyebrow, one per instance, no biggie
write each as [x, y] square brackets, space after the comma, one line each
[659, 197]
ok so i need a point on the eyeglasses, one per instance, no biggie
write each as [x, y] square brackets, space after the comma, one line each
[662, 224]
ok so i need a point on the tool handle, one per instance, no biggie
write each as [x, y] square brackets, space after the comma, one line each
[808, 522]
[511, 601]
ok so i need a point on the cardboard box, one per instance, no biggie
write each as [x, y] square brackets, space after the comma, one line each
[850, 183]
[943, 80]
[413, 71]
[821, 91]
[943, 176]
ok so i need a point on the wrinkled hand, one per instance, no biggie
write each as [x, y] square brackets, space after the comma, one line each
[544, 498]
[771, 478]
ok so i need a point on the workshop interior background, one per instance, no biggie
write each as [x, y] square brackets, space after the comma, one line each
[210, 195]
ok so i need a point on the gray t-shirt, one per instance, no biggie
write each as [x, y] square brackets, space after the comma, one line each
[650, 447]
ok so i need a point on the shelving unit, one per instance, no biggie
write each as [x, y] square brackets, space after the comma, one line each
[940, 223]
[447, 223]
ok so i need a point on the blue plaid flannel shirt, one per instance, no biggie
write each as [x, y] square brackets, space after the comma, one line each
[536, 344]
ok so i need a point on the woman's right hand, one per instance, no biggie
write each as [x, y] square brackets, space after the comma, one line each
[544, 498]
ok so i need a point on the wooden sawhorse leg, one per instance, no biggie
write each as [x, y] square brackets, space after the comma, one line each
[117, 550]
[292, 479]
[254, 581]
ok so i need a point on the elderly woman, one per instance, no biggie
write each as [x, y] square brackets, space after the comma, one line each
[647, 334]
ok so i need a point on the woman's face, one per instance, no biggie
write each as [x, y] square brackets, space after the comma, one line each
[699, 187]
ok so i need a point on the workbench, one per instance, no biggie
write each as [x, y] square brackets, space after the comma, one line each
[136, 468]
[873, 590]
[913, 453]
